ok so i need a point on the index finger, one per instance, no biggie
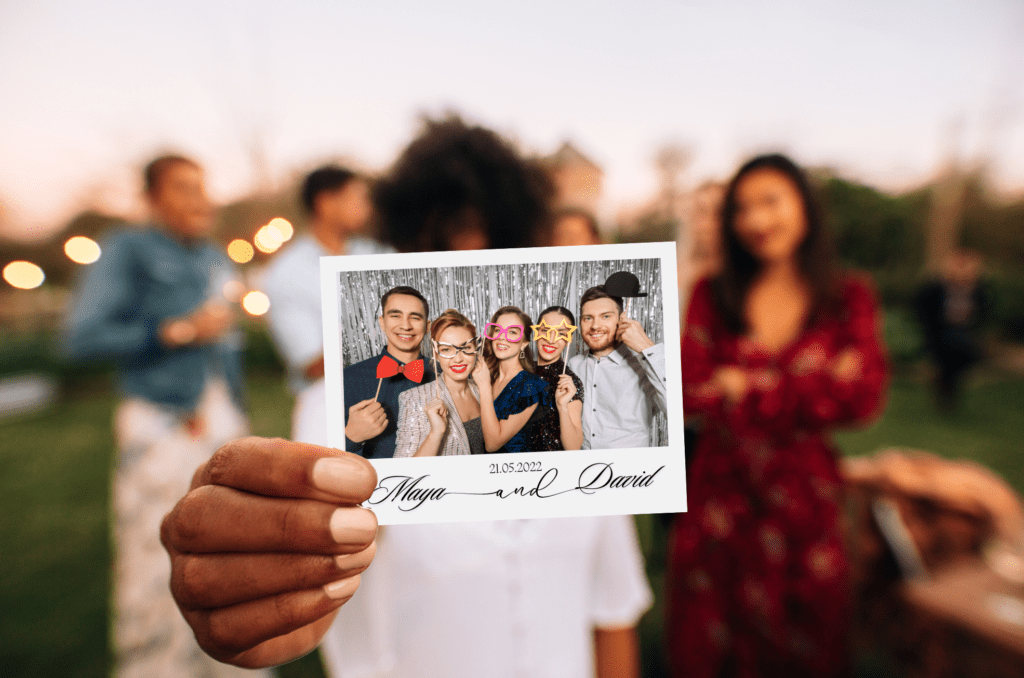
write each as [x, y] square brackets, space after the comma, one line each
[363, 403]
[274, 467]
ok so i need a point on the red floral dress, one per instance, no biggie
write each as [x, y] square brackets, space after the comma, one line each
[757, 572]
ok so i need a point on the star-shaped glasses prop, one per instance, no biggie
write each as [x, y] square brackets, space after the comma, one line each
[563, 330]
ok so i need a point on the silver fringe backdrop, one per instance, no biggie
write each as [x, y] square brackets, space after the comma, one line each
[478, 291]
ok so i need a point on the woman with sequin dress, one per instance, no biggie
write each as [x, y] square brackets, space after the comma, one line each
[443, 417]
[512, 398]
[562, 426]
[779, 348]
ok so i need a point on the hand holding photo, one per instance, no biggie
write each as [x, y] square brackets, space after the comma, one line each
[532, 414]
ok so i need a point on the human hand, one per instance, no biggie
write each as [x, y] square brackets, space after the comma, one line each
[631, 333]
[437, 414]
[565, 391]
[267, 546]
[482, 377]
[848, 365]
[205, 325]
[733, 381]
[366, 419]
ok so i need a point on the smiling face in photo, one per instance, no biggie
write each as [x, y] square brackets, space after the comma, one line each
[599, 320]
[503, 347]
[462, 343]
[404, 322]
[551, 346]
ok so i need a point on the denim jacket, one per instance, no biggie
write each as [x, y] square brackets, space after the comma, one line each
[144, 276]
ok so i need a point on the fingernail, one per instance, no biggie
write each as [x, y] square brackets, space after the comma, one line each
[343, 588]
[342, 476]
[361, 560]
[353, 525]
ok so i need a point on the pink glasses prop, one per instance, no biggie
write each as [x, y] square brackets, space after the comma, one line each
[513, 333]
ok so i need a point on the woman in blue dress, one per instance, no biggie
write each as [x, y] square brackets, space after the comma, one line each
[512, 398]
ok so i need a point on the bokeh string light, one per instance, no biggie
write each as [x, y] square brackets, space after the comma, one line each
[82, 250]
[240, 251]
[256, 303]
[23, 275]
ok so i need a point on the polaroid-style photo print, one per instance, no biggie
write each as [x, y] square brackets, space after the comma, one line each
[519, 383]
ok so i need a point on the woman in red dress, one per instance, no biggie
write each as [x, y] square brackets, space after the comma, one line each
[779, 348]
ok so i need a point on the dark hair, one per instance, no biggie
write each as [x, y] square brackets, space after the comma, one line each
[526, 361]
[815, 256]
[326, 179]
[153, 174]
[453, 178]
[585, 215]
[410, 291]
[558, 309]
[599, 292]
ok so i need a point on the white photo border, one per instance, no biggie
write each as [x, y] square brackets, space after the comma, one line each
[529, 484]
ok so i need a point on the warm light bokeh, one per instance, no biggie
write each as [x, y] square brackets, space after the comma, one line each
[266, 240]
[256, 303]
[24, 275]
[82, 250]
[281, 228]
[240, 251]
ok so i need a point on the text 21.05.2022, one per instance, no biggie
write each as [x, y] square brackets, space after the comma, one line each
[515, 467]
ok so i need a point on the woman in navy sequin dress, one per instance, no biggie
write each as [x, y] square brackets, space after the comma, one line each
[512, 398]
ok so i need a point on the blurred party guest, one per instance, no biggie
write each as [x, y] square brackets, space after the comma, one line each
[574, 226]
[154, 304]
[952, 310]
[558, 597]
[779, 347]
[700, 246]
[337, 203]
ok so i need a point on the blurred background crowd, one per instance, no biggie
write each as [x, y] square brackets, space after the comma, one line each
[911, 127]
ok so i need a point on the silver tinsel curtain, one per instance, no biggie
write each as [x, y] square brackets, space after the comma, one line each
[478, 291]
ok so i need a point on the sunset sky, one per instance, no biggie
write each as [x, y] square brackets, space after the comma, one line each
[882, 90]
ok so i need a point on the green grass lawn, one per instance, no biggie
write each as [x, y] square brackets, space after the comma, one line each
[54, 497]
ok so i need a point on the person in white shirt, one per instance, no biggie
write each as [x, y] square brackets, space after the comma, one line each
[338, 204]
[623, 375]
[556, 597]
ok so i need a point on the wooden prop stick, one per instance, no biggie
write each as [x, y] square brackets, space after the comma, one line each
[437, 375]
[379, 382]
[565, 358]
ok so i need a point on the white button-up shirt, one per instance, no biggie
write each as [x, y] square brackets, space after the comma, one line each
[622, 392]
[503, 599]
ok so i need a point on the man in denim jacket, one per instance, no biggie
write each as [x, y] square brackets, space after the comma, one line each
[154, 304]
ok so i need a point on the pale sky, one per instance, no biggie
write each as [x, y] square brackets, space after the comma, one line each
[89, 91]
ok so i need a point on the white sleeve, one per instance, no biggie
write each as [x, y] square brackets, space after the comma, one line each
[653, 360]
[620, 593]
[294, 319]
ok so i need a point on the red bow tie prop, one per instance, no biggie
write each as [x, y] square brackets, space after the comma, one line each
[389, 367]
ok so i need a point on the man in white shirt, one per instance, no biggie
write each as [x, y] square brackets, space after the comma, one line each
[623, 375]
[503, 599]
[338, 204]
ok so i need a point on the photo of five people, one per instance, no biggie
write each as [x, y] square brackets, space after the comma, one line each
[528, 357]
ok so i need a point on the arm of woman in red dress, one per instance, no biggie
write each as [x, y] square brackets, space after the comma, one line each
[703, 394]
[815, 390]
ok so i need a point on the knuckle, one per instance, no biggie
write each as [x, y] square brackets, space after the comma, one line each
[187, 585]
[220, 466]
[220, 635]
[182, 528]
